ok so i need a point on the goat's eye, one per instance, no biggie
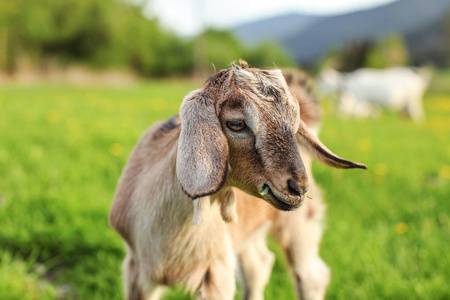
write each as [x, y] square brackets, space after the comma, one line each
[236, 125]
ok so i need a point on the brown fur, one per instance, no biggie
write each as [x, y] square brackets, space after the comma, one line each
[174, 195]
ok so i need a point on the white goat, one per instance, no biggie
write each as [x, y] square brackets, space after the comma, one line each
[175, 193]
[362, 92]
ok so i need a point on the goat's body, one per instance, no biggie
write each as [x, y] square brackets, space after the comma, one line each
[396, 89]
[364, 91]
[240, 129]
[164, 248]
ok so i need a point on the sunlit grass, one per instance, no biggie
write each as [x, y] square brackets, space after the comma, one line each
[62, 150]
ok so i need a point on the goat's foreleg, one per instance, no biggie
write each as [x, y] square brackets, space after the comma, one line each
[299, 235]
[256, 262]
[219, 281]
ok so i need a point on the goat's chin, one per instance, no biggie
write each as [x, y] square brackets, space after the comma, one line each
[280, 201]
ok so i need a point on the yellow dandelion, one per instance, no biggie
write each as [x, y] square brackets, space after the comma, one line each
[444, 172]
[437, 125]
[401, 228]
[443, 104]
[116, 149]
[364, 145]
[53, 116]
[381, 169]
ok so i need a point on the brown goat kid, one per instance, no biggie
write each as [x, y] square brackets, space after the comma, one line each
[298, 233]
[174, 196]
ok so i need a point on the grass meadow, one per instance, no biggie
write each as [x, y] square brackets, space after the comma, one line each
[62, 149]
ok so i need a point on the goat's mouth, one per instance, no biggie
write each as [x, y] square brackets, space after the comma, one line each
[279, 201]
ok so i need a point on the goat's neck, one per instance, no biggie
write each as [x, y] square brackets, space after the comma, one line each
[184, 209]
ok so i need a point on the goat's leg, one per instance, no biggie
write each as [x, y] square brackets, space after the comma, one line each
[414, 108]
[299, 234]
[256, 262]
[219, 280]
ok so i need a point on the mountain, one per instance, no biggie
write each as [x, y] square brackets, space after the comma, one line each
[275, 28]
[314, 36]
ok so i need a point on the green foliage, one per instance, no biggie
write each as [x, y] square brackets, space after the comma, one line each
[19, 282]
[269, 55]
[111, 33]
[354, 55]
[347, 58]
[221, 47]
[63, 149]
[329, 60]
[97, 32]
[387, 52]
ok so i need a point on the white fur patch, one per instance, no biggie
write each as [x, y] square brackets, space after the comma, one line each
[201, 207]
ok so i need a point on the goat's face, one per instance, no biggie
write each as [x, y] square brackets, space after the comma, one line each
[260, 117]
[241, 128]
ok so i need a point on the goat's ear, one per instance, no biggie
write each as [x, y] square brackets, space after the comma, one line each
[202, 158]
[307, 140]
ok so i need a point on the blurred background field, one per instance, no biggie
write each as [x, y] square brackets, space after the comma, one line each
[81, 80]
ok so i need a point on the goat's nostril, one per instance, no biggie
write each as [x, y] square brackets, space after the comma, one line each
[294, 188]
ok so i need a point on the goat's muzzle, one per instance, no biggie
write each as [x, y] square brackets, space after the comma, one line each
[284, 201]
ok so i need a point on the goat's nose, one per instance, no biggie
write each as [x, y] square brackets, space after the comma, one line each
[295, 189]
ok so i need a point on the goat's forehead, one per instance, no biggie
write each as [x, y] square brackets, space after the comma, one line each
[264, 116]
[267, 96]
[256, 78]
[261, 95]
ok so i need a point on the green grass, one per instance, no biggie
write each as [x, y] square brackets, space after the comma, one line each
[62, 149]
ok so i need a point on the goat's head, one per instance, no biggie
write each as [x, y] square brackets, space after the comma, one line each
[241, 129]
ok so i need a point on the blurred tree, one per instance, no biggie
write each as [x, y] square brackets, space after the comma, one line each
[353, 55]
[105, 33]
[268, 54]
[98, 32]
[347, 58]
[387, 52]
[8, 16]
[222, 47]
[331, 59]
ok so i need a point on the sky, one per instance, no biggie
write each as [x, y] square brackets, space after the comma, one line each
[189, 17]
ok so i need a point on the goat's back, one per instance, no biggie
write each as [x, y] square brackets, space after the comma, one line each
[147, 160]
